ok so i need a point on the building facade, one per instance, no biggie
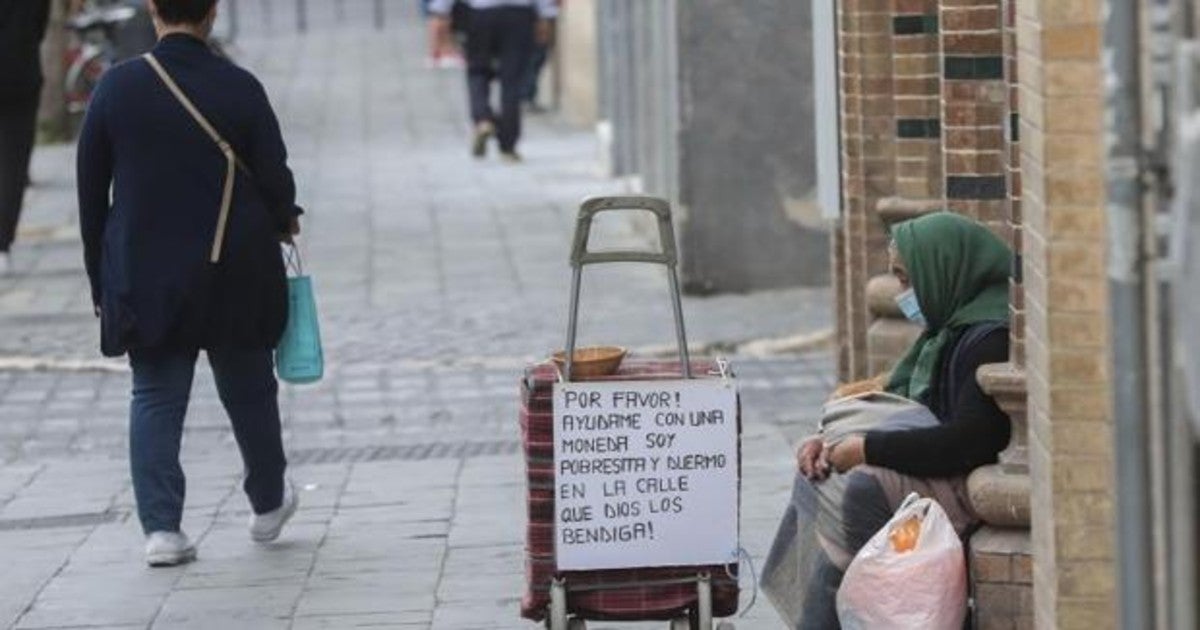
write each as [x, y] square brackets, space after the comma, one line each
[1053, 122]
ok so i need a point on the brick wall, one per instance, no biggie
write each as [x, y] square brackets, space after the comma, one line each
[1016, 140]
[868, 165]
[1001, 574]
[974, 110]
[1065, 302]
[841, 305]
[1013, 153]
[926, 114]
[917, 81]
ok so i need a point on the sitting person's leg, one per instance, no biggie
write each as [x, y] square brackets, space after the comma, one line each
[798, 576]
[820, 600]
[865, 508]
[874, 494]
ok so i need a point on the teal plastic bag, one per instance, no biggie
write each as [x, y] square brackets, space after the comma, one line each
[299, 358]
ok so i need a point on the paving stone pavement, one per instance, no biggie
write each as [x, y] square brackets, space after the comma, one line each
[439, 277]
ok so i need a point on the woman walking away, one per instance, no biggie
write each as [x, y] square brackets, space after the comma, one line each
[184, 256]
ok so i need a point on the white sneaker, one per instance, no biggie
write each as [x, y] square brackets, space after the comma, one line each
[168, 549]
[266, 527]
[451, 62]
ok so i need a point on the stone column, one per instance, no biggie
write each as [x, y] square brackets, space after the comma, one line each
[746, 163]
[577, 52]
[1000, 493]
[1067, 352]
[729, 147]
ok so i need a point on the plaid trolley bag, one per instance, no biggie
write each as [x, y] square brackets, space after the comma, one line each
[691, 596]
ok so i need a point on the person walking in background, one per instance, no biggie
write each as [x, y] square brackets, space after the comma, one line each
[22, 26]
[501, 35]
[184, 256]
[533, 72]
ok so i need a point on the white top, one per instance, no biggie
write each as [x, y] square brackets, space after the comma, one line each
[545, 8]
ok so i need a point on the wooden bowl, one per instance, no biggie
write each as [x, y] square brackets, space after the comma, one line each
[591, 361]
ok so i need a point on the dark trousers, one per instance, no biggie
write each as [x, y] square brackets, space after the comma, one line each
[162, 384]
[18, 124]
[533, 72]
[820, 602]
[499, 45]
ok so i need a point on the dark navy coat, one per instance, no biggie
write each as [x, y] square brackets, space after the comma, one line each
[150, 183]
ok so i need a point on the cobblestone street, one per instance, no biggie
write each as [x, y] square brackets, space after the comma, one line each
[439, 278]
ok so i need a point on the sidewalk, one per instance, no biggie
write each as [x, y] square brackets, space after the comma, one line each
[440, 277]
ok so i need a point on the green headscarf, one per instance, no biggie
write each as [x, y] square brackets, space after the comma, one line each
[959, 270]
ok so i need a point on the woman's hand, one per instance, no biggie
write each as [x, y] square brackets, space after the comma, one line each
[875, 384]
[848, 453]
[292, 232]
[439, 28]
[811, 458]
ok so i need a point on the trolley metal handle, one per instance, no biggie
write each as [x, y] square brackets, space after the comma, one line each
[668, 257]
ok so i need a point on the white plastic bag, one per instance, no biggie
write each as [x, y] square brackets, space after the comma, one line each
[921, 588]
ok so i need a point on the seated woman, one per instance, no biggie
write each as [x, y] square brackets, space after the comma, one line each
[955, 273]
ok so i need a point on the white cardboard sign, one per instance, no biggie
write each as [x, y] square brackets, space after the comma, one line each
[646, 474]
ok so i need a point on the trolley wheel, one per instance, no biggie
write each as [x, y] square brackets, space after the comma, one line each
[576, 624]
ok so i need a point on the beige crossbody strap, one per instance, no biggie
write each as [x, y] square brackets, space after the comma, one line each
[231, 158]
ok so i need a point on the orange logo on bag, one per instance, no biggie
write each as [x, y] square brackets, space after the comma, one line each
[904, 536]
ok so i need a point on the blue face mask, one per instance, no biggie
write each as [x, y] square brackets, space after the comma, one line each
[907, 301]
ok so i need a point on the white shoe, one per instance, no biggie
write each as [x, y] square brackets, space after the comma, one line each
[266, 527]
[451, 62]
[168, 549]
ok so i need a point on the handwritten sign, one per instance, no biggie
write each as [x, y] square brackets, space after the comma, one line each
[646, 474]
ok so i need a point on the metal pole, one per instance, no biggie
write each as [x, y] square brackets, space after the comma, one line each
[1183, 516]
[1127, 299]
[685, 360]
[556, 67]
[704, 607]
[573, 319]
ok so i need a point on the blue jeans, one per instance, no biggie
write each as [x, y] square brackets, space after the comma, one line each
[162, 384]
